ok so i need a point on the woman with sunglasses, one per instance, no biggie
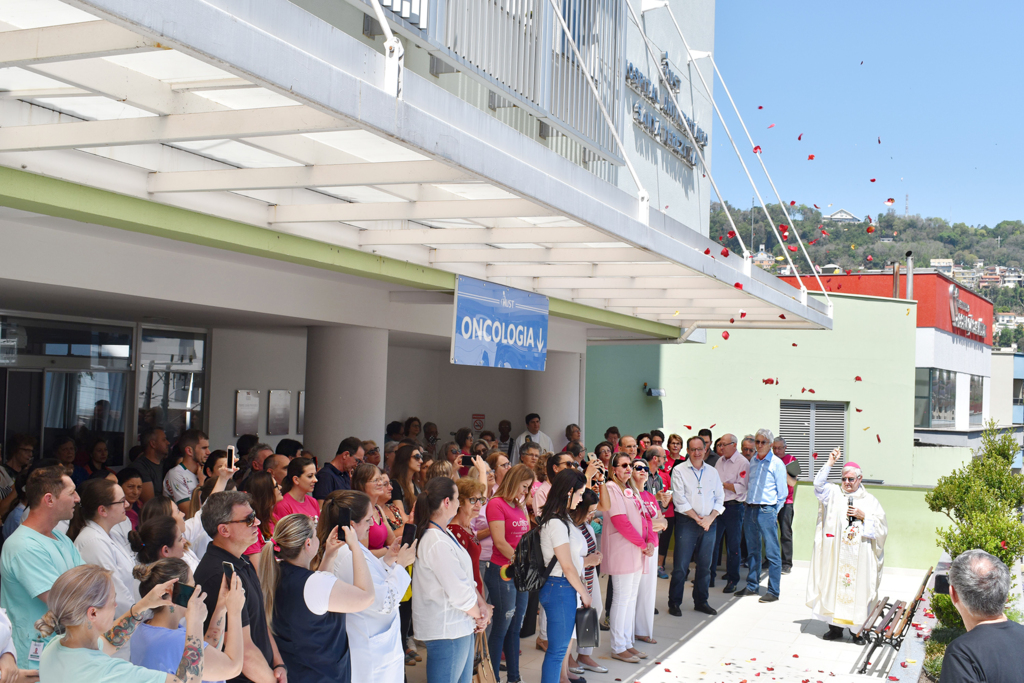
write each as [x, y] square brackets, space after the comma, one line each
[392, 513]
[368, 479]
[102, 507]
[624, 545]
[404, 474]
[374, 634]
[648, 592]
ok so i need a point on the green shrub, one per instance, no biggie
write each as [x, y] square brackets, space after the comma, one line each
[947, 615]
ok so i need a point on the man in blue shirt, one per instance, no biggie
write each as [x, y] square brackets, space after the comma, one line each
[766, 494]
[336, 475]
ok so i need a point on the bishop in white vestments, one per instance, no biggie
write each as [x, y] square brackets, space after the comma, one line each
[846, 567]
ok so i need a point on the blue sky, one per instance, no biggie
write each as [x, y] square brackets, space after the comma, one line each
[942, 84]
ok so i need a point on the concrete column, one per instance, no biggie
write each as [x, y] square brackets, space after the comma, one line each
[346, 385]
[555, 395]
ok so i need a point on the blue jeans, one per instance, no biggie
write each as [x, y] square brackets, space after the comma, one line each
[559, 600]
[450, 661]
[691, 538]
[761, 524]
[509, 609]
[730, 526]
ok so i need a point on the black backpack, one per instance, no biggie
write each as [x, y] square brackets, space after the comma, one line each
[529, 573]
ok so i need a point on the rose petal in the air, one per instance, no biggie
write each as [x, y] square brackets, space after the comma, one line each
[811, 390]
[869, 258]
[743, 314]
[738, 285]
[772, 125]
[792, 203]
[731, 234]
[858, 379]
[725, 251]
[830, 535]
[859, 410]
[725, 334]
[815, 456]
[707, 252]
[879, 438]
[810, 157]
[792, 247]
[870, 229]
[872, 180]
[757, 149]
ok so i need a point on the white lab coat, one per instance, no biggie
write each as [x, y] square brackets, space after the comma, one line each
[375, 634]
[97, 547]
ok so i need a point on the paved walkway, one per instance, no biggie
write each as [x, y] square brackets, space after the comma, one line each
[747, 641]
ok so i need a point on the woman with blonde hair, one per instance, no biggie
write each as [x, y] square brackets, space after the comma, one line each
[81, 606]
[508, 521]
[441, 468]
[306, 609]
[370, 480]
[158, 640]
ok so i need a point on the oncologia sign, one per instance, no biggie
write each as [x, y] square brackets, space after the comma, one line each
[960, 315]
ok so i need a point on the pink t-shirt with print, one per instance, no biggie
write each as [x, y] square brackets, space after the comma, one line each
[516, 525]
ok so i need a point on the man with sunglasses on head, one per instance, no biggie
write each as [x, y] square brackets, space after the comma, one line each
[229, 520]
[766, 494]
[846, 565]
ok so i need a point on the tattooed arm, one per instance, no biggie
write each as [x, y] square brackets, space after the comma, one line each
[190, 669]
[118, 635]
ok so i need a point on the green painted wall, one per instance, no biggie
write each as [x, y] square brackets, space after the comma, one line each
[911, 542]
[720, 382]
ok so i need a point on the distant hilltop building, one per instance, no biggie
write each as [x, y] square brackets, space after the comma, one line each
[943, 265]
[763, 259]
[841, 216]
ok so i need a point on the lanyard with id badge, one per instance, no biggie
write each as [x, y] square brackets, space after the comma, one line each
[35, 651]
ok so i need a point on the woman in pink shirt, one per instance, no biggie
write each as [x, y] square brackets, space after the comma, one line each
[297, 488]
[368, 478]
[674, 449]
[508, 521]
[624, 545]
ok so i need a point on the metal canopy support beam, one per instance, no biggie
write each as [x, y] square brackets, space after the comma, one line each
[69, 41]
[613, 254]
[481, 236]
[168, 129]
[338, 175]
[390, 211]
[587, 271]
[690, 283]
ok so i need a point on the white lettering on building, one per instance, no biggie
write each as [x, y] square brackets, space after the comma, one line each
[960, 315]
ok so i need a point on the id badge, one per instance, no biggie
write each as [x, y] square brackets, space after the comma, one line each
[35, 650]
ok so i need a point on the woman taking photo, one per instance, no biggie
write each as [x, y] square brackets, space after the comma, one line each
[405, 488]
[581, 517]
[368, 479]
[446, 606]
[81, 605]
[306, 609]
[157, 643]
[508, 521]
[561, 539]
[265, 494]
[647, 592]
[624, 544]
[297, 491]
[101, 508]
[375, 633]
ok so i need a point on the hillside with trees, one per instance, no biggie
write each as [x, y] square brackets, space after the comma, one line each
[849, 244]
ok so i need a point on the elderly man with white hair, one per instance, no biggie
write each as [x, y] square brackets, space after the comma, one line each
[846, 566]
[766, 494]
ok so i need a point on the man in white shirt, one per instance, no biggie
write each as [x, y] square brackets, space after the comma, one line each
[188, 475]
[533, 435]
[732, 470]
[699, 499]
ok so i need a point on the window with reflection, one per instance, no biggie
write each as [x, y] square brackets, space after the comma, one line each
[172, 367]
[977, 401]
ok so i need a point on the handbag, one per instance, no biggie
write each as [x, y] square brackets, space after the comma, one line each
[483, 670]
[588, 634]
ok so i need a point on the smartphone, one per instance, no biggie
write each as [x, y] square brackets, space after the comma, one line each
[467, 461]
[180, 595]
[231, 457]
[344, 520]
[408, 534]
[229, 571]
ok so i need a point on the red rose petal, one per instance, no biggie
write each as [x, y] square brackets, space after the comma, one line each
[757, 149]
[903, 664]
[772, 125]
[858, 379]
[707, 251]
[869, 258]
[794, 343]
[668, 670]
[800, 137]
[813, 241]
[1002, 544]
[783, 227]
[858, 410]
[743, 314]
[879, 139]
[725, 335]
[869, 219]
[829, 536]
[769, 668]
[811, 390]
[731, 234]
[872, 180]
[871, 229]
[743, 474]
[688, 428]
[890, 201]
[848, 272]
[782, 315]
[785, 236]
[823, 232]
[792, 203]
[732, 320]
[737, 285]
[725, 251]
[879, 438]
[796, 656]
[810, 157]
[720, 238]
[815, 456]
[803, 390]
[760, 107]
[894, 678]
[792, 247]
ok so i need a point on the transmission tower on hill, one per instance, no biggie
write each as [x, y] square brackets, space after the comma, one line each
[906, 207]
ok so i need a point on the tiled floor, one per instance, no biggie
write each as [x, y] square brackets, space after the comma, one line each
[748, 641]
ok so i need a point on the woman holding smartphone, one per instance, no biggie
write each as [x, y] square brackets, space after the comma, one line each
[446, 606]
[306, 609]
[647, 592]
[624, 545]
[375, 633]
[564, 589]
[157, 643]
[508, 521]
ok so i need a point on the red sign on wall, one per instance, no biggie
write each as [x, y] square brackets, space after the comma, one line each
[478, 422]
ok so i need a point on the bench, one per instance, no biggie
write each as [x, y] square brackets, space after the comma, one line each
[888, 623]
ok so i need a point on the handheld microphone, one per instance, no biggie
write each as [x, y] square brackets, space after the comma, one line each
[851, 520]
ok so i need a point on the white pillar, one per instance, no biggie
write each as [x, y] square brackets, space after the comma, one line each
[346, 385]
[555, 395]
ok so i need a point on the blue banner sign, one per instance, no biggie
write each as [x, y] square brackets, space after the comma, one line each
[499, 327]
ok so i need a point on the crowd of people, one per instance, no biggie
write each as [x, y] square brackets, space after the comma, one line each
[270, 566]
